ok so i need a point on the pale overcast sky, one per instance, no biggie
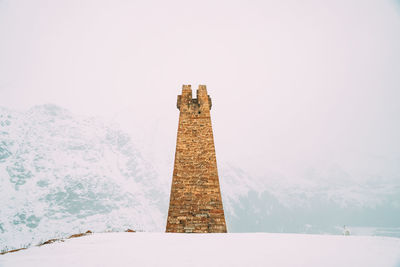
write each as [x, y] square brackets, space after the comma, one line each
[295, 85]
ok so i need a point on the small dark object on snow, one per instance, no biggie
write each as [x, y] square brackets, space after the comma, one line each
[80, 234]
[49, 242]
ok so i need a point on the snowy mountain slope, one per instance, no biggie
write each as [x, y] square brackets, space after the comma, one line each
[61, 174]
[273, 203]
[157, 249]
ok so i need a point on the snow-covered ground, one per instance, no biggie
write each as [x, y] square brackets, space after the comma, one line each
[256, 249]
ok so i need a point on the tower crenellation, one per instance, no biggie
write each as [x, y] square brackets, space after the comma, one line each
[186, 102]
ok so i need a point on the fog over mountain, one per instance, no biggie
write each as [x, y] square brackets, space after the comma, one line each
[305, 112]
[62, 173]
[295, 85]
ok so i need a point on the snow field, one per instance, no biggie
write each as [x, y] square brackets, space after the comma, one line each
[256, 249]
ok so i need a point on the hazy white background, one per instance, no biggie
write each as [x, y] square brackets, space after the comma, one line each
[298, 87]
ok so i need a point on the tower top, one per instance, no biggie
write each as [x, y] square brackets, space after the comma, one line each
[202, 102]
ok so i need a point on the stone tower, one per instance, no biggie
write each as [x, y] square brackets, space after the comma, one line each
[195, 203]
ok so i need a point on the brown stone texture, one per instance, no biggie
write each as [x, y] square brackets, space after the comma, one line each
[195, 202]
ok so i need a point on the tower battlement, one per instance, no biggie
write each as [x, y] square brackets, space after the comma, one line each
[193, 105]
[195, 203]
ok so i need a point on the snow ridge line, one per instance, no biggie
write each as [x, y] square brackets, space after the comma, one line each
[50, 241]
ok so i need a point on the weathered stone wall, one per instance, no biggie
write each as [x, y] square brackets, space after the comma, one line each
[195, 201]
